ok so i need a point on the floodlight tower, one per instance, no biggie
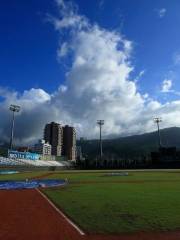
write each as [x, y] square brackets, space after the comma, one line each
[157, 121]
[13, 108]
[100, 123]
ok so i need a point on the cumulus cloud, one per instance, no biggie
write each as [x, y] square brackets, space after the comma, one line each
[98, 81]
[34, 109]
[98, 86]
[68, 16]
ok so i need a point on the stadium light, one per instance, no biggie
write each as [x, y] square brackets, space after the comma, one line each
[100, 123]
[13, 109]
[157, 120]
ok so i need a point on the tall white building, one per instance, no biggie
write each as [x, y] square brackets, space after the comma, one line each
[42, 148]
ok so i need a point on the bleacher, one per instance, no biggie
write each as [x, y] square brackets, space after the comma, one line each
[25, 162]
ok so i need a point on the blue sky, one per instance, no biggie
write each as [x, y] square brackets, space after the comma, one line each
[30, 42]
[28, 46]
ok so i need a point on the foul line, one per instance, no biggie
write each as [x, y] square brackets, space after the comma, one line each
[61, 213]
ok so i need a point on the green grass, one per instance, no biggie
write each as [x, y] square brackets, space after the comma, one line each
[21, 175]
[142, 201]
[116, 204]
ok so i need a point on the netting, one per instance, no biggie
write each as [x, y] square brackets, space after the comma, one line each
[28, 184]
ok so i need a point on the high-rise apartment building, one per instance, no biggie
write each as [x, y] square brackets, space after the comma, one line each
[42, 148]
[69, 142]
[53, 133]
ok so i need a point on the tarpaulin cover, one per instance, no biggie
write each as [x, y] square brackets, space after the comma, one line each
[31, 184]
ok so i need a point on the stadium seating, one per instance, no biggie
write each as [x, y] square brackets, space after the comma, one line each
[25, 162]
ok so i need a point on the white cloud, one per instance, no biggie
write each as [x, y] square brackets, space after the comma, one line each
[35, 106]
[98, 86]
[63, 50]
[68, 16]
[98, 83]
[62, 88]
[161, 12]
[166, 86]
[176, 59]
[139, 76]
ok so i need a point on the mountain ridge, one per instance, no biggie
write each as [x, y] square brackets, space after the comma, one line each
[134, 145]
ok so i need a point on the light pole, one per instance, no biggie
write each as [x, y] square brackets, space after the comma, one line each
[13, 108]
[100, 123]
[157, 121]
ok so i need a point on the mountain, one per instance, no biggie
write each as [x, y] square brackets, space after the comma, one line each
[136, 145]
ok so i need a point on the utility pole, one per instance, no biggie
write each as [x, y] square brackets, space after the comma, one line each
[13, 108]
[100, 123]
[157, 121]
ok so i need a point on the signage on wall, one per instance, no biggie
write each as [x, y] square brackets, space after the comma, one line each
[23, 155]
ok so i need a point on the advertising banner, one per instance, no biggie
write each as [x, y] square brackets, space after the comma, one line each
[23, 155]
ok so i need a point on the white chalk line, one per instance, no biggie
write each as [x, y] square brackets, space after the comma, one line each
[61, 213]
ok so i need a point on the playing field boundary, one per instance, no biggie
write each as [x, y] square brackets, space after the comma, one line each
[61, 213]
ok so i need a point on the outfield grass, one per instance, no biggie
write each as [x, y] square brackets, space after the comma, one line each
[142, 201]
[21, 175]
[117, 204]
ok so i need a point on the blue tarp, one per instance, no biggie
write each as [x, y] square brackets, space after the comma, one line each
[31, 184]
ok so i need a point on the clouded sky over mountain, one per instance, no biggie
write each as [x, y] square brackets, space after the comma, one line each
[78, 61]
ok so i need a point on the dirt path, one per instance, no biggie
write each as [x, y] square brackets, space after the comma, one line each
[27, 215]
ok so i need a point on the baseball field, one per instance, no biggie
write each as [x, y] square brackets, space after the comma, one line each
[139, 205]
